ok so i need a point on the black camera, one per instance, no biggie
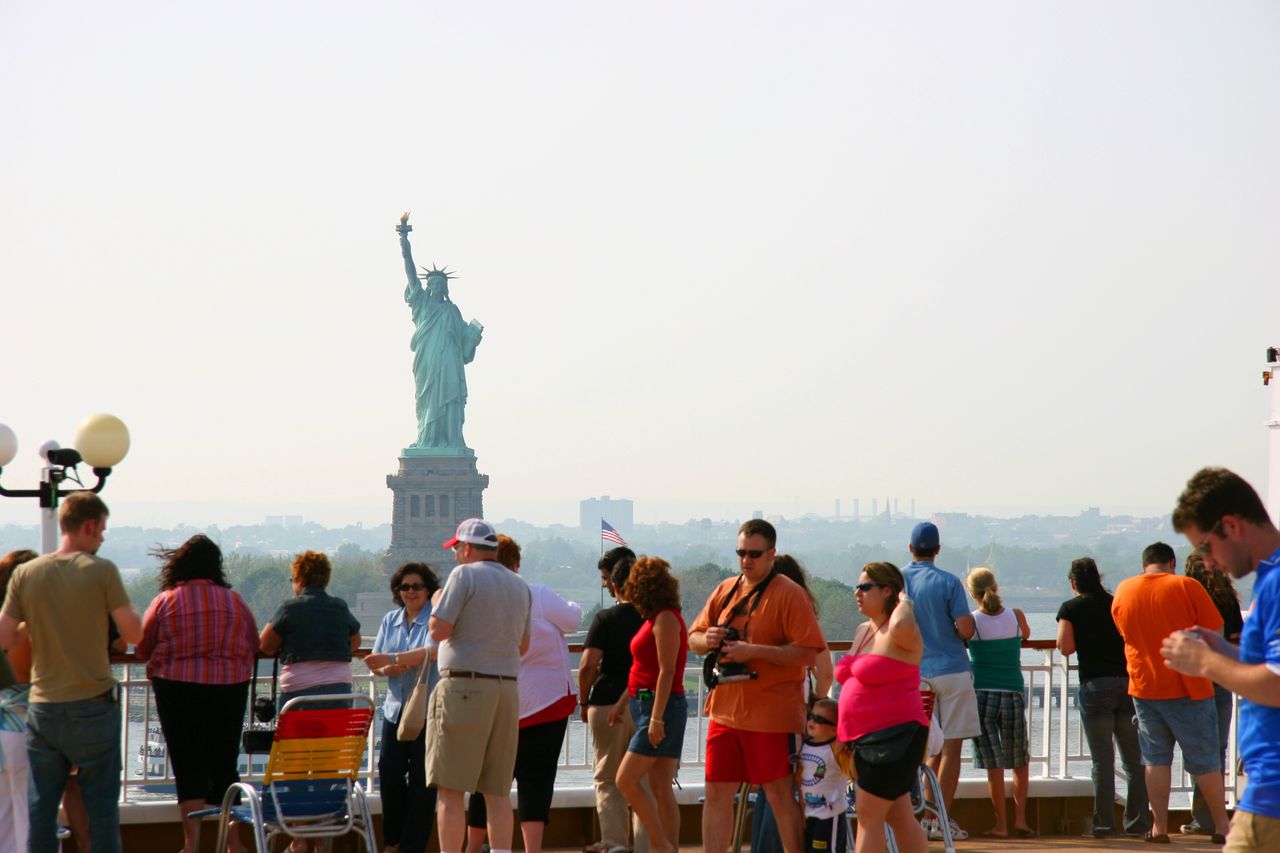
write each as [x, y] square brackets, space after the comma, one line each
[264, 709]
[715, 672]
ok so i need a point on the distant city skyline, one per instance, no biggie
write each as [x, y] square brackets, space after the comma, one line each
[727, 257]
[565, 513]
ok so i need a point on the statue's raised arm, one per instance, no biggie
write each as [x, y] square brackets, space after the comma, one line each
[415, 283]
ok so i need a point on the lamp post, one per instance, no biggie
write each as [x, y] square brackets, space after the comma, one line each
[102, 441]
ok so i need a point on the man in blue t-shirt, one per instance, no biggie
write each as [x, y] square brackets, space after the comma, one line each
[942, 612]
[1223, 517]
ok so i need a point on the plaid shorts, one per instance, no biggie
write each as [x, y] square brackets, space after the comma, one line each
[1003, 742]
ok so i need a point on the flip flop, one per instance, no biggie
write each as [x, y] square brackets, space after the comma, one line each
[1151, 838]
[1022, 832]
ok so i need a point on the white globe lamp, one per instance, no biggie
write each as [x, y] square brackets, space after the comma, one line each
[103, 440]
[8, 445]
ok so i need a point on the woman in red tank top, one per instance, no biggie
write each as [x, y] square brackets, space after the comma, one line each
[655, 692]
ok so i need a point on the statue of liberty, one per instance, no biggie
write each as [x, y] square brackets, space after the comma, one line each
[442, 343]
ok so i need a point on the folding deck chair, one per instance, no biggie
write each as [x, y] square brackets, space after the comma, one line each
[311, 788]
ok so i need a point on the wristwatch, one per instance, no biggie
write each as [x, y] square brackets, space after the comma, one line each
[395, 658]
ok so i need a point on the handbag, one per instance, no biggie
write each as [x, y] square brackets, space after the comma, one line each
[413, 714]
[260, 732]
[886, 745]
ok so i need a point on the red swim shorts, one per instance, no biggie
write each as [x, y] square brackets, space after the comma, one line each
[734, 755]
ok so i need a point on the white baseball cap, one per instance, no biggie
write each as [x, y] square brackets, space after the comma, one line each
[475, 531]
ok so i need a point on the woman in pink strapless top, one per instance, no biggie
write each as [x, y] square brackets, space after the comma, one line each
[880, 689]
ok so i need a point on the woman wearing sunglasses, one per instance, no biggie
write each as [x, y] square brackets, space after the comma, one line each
[400, 650]
[881, 712]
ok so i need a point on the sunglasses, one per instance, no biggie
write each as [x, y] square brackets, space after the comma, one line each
[866, 587]
[412, 587]
[753, 553]
[822, 721]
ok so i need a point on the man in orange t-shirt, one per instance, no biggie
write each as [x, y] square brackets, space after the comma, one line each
[749, 736]
[1171, 707]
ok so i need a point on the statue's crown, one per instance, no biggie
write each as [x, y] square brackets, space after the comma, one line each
[444, 273]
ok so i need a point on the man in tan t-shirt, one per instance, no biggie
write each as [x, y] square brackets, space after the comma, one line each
[749, 737]
[74, 714]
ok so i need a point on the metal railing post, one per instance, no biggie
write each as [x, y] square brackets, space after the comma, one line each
[1064, 699]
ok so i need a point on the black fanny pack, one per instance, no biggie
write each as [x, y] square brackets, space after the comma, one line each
[886, 745]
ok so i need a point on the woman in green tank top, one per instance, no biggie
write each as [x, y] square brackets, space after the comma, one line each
[996, 653]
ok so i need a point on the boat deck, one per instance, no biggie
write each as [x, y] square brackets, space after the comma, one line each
[1054, 844]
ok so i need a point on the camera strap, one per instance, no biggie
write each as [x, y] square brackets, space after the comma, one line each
[750, 601]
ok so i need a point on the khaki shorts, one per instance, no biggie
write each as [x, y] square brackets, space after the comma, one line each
[956, 704]
[474, 728]
[1252, 832]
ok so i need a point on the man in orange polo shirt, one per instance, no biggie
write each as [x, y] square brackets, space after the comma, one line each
[1171, 707]
[752, 721]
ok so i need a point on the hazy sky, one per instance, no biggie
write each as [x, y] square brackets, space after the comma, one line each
[1006, 256]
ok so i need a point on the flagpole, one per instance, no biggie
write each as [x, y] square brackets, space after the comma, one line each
[602, 557]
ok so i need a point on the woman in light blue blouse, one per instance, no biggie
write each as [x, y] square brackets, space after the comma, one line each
[399, 652]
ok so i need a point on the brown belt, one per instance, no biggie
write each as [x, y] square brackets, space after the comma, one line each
[463, 673]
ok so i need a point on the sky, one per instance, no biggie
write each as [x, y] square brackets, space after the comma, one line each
[998, 257]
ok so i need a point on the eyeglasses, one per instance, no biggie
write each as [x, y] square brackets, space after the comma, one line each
[822, 721]
[412, 587]
[752, 553]
[1205, 548]
[866, 587]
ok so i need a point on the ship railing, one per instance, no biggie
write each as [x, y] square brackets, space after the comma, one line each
[1058, 749]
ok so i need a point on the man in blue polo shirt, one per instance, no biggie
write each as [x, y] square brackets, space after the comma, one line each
[1223, 517]
[942, 612]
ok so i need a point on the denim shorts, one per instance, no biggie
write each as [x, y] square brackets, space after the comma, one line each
[1192, 723]
[674, 719]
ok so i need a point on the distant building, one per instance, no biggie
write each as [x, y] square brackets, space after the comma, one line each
[619, 512]
[283, 521]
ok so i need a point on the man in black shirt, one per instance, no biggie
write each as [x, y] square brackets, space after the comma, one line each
[602, 678]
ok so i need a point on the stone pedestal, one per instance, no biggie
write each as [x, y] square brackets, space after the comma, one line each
[430, 495]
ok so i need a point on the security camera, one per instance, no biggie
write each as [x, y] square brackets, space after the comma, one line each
[67, 457]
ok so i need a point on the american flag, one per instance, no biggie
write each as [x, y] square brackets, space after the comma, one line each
[608, 534]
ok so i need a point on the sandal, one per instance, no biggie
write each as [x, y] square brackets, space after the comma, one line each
[1024, 832]
[1152, 838]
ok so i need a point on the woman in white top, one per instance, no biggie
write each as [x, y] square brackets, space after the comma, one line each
[548, 697]
[996, 651]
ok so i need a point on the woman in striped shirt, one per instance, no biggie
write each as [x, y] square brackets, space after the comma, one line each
[199, 640]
